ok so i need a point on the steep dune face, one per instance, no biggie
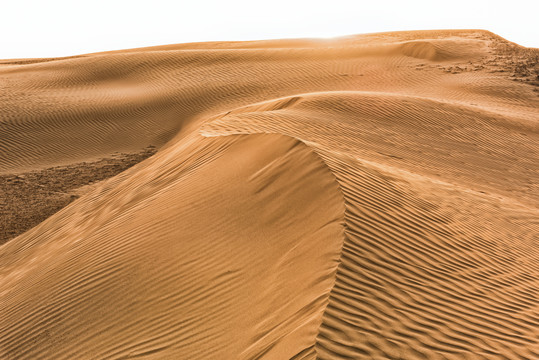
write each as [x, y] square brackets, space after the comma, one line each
[365, 197]
[215, 249]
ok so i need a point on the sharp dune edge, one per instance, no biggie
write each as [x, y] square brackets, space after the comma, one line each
[367, 197]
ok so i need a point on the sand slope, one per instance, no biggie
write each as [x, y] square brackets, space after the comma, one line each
[197, 237]
[373, 196]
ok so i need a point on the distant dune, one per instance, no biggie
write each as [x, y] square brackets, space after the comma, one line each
[366, 197]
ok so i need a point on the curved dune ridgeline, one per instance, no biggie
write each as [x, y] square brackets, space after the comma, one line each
[367, 197]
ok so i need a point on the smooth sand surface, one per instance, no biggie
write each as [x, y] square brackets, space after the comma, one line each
[366, 197]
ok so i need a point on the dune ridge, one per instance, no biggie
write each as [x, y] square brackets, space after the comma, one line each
[367, 197]
[400, 297]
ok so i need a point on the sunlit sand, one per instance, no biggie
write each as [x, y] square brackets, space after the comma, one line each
[364, 197]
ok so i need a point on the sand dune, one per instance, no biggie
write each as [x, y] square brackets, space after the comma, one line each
[372, 196]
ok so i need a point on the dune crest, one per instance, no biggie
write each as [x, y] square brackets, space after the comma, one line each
[372, 196]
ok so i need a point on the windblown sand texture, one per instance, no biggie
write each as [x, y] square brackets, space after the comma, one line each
[367, 197]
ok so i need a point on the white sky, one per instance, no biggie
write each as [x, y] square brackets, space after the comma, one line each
[48, 28]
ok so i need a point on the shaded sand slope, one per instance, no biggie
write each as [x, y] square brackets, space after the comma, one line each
[371, 196]
[215, 249]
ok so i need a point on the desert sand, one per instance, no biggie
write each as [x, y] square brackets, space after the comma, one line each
[365, 197]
